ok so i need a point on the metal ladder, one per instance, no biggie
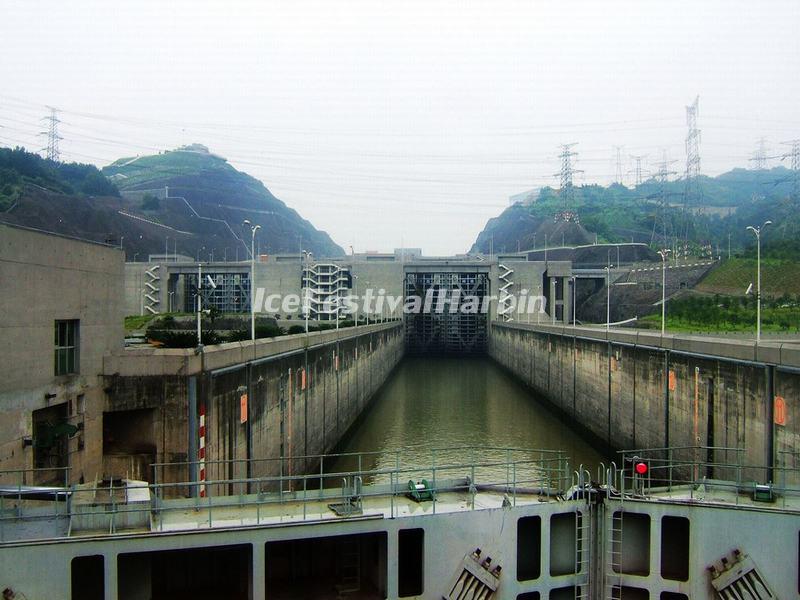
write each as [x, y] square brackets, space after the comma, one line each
[614, 552]
[583, 545]
[612, 536]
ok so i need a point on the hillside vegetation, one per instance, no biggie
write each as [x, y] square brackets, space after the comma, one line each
[19, 168]
[127, 205]
[729, 203]
[728, 314]
[733, 276]
[206, 184]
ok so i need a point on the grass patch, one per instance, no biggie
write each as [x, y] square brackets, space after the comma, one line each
[726, 314]
[133, 322]
[732, 276]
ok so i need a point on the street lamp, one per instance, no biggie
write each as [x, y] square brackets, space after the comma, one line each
[358, 300]
[574, 295]
[253, 229]
[663, 254]
[307, 295]
[757, 232]
[366, 288]
[608, 289]
[608, 296]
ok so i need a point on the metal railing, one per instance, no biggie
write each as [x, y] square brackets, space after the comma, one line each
[258, 491]
[261, 491]
[695, 470]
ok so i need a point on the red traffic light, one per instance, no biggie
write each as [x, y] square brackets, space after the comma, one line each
[640, 468]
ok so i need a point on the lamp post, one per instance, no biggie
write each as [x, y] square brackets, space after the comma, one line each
[757, 232]
[355, 293]
[253, 229]
[366, 288]
[663, 254]
[306, 296]
[574, 295]
[608, 296]
[199, 305]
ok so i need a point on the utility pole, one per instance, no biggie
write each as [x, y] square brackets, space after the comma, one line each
[51, 150]
[760, 157]
[566, 191]
[795, 154]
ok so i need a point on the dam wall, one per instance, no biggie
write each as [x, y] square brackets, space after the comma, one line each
[630, 389]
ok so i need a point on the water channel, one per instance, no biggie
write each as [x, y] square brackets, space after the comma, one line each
[452, 411]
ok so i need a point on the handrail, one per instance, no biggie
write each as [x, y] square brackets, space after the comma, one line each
[491, 469]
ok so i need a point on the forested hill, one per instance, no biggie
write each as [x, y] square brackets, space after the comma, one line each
[127, 204]
[205, 192]
[729, 202]
[19, 168]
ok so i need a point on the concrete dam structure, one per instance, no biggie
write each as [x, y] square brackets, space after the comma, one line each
[208, 472]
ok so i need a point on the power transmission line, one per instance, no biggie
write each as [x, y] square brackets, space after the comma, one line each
[760, 157]
[618, 175]
[662, 176]
[637, 170]
[795, 154]
[51, 150]
[566, 190]
[692, 192]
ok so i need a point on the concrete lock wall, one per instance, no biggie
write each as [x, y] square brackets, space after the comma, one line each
[633, 390]
[283, 398]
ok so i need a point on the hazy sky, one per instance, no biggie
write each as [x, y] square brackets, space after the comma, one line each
[409, 121]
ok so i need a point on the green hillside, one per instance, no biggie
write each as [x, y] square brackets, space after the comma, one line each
[732, 277]
[19, 168]
[127, 205]
[728, 203]
[210, 197]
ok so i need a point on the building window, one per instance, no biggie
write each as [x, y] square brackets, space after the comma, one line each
[66, 350]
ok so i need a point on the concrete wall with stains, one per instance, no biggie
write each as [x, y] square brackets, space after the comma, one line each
[632, 389]
[274, 403]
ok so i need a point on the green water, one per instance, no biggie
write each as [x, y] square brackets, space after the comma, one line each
[449, 404]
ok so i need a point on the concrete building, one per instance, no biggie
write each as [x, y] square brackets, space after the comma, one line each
[62, 312]
[171, 287]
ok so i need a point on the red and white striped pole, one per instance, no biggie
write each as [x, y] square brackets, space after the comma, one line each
[201, 455]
